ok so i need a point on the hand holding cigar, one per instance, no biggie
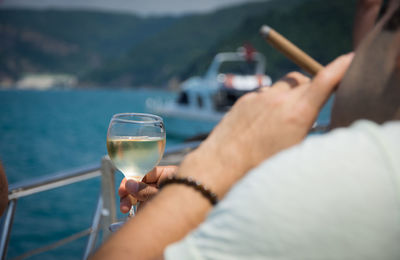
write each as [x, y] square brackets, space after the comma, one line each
[290, 50]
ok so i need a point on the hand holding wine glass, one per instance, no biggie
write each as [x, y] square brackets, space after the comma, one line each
[146, 189]
[135, 143]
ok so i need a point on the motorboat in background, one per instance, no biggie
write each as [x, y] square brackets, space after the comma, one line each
[204, 100]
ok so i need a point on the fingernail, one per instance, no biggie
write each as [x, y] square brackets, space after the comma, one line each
[132, 186]
[350, 54]
[124, 209]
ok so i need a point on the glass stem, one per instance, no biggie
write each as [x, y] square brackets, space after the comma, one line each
[133, 210]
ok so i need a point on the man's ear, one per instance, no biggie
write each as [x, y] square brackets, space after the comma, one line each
[371, 87]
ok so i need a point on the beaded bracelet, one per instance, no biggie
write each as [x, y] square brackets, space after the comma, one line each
[189, 181]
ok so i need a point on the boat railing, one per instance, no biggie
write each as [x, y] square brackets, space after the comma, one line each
[105, 211]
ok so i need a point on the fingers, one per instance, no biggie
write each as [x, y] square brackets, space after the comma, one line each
[325, 81]
[125, 204]
[121, 190]
[159, 173]
[155, 176]
[140, 190]
[135, 191]
[131, 190]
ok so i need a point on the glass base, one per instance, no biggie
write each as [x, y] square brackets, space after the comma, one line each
[115, 226]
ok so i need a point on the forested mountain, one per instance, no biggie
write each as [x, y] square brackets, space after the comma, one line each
[109, 49]
[323, 29]
[68, 41]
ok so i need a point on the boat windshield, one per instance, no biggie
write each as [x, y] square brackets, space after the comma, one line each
[238, 67]
[183, 99]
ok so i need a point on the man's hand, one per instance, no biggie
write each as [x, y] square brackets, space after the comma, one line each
[131, 190]
[260, 125]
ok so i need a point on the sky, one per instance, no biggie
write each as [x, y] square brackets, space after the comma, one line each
[141, 7]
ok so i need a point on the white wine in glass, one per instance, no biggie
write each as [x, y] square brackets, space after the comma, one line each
[135, 144]
[135, 156]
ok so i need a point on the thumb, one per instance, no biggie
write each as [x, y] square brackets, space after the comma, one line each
[140, 190]
[132, 186]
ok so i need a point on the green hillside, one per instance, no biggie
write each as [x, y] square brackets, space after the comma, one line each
[68, 41]
[105, 49]
[321, 28]
[172, 51]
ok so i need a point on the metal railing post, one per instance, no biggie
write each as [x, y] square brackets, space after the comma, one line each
[7, 224]
[94, 230]
[109, 214]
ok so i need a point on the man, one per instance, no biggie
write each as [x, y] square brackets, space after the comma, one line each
[343, 205]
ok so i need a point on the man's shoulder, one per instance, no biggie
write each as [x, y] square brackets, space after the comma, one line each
[362, 139]
[360, 135]
[389, 129]
[361, 144]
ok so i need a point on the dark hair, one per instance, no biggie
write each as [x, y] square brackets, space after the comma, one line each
[394, 22]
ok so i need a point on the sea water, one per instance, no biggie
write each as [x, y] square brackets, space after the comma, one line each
[43, 132]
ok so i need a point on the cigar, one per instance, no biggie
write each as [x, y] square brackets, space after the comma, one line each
[290, 50]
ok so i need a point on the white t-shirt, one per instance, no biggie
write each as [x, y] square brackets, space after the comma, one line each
[334, 196]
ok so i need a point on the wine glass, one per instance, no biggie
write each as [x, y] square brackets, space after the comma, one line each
[135, 144]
